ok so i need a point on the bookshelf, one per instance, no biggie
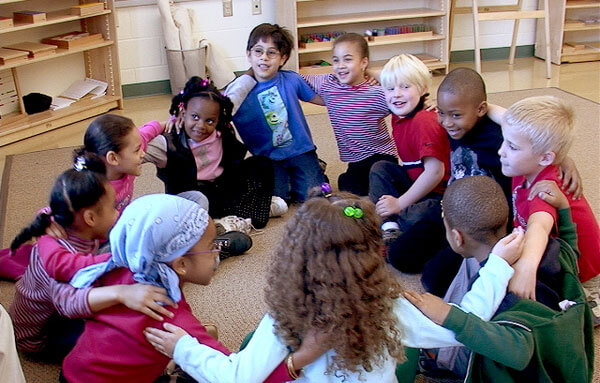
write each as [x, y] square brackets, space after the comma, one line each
[323, 16]
[572, 39]
[98, 60]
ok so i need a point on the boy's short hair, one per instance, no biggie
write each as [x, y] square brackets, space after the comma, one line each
[406, 68]
[476, 206]
[281, 37]
[546, 121]
[464, 83]
[355, 38]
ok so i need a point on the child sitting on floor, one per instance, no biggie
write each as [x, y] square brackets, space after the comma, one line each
[205, 155]
[537, 134]
[82, 202]
[333, 282]
[162, 240]
[408, 195]
[526, 341]
[270, 120]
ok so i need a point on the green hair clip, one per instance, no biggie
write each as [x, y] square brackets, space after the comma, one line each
[353, 212]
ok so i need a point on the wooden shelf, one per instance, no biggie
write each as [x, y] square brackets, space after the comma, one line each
[59, 53]
[575, 4]
[38, 123]
[586, 54]
[56, 17]
[432, 64]
[398, 40]
[573, 27]
[10, 1]
[366, 17]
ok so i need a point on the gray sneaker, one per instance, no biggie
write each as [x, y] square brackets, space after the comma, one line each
[390, 235]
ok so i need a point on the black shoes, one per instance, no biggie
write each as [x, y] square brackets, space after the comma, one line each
[233, 243]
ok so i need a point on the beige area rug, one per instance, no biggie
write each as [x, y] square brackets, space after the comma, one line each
[234, 300]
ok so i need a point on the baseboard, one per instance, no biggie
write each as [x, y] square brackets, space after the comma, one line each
[152, 88]
[491, 53]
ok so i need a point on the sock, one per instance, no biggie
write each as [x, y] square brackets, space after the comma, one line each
[389, 225]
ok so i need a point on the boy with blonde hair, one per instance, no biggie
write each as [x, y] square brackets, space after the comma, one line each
[408, 195]
[538, 132]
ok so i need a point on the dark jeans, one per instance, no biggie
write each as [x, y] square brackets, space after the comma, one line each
[422, 230]
[356, 178]
[62, 336]
[295, 176]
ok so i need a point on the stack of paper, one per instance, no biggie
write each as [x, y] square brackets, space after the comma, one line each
[78, 90]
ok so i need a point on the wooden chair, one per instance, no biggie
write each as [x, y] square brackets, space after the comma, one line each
[503, 12]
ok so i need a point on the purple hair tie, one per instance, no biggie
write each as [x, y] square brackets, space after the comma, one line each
[326, 189]
[181, 105]
[180, 91]
[205, 82]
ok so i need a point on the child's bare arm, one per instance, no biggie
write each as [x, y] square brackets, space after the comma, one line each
[495, 112]
[238, 90]
[539, 226]
[423, 185]
[138, 297]
[433, 307]
[571, 180]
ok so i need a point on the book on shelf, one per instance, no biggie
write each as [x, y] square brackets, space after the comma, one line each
[74, 39]
[33, 49]
[81, 88]
[11, 56]
[29, 16]
[60, 102]
[87, 9]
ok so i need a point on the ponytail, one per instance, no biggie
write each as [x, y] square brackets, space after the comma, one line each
[73, 190]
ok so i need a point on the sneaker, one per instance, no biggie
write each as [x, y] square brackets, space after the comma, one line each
[595, 309]
[233, 243]
[233, 223]
[278, 207]
[390, 235]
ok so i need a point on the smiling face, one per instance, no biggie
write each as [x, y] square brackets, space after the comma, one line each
[402, 98]
[458, 115]
[517, 155]
[348, 64]
[129, 158]
[200, 118]
[265, 59]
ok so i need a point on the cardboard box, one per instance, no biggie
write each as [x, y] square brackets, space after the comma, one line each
[11, 56]
[6, 22]
[29, 16]
[74, 39]
[87, 9]
[34, 49]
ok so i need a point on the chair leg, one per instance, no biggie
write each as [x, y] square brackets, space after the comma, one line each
[513, 44]
[547, 38]
[476, 36]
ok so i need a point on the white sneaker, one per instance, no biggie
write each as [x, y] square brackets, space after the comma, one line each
[233, 223]
[278, 207]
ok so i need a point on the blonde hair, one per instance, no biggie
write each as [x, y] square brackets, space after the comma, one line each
[406, 68]
[546, 121]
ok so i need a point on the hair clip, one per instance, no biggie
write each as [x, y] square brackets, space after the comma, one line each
[181, 91]
[353, 212]
[181, 105]
[79, 164]
[205, 82]
[326, 189]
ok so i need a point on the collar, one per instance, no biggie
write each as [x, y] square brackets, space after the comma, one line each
[419, 106]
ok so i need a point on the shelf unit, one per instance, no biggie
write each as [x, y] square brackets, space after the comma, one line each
[316, 16]
[565, 28]
[98, 60]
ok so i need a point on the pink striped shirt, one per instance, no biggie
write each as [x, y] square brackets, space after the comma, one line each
[357, 116]
[38, 297]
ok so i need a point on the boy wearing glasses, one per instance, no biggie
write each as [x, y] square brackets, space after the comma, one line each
[270, 120]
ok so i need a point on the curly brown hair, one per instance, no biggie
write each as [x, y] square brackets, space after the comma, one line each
[329, 274]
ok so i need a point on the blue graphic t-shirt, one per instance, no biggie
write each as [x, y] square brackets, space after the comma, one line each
[271, 122]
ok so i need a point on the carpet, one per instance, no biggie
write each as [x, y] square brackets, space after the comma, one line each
[234, 299]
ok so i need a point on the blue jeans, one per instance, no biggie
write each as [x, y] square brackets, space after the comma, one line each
[295, 176]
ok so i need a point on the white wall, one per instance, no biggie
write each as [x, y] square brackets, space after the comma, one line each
[141, 47]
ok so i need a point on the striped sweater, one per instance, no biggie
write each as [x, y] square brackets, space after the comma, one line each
[357, 116]
[38, 297]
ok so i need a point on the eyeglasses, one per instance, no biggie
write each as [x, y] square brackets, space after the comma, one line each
[216, 248]
[271, 53]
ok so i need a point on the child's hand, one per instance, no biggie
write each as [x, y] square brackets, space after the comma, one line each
[431, 105]
[143, 298]
[549, 191]
[523, 281]
[176, 122]
[164, 341]
[388, 205]
[509, 248]
[55, 230]
[433, 307]
[314, 344]
[568, 173]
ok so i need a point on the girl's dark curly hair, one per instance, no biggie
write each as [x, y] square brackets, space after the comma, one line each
[328, 273]
[199, 87]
